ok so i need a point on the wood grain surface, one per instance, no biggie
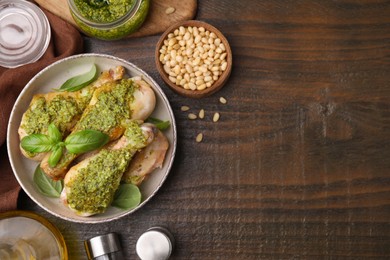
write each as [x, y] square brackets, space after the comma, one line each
[156, 22]
[298, 165]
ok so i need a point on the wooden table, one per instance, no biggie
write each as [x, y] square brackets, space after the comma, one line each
[298, 166]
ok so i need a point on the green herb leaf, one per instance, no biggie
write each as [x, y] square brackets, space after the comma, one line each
[85, 141]
[161, 125]
[54, 134]
[55, 155]
[127, 196]
[47, 186]
[78, 82]
[36, 143]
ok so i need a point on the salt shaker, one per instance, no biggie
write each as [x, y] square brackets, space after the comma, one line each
[155, 244]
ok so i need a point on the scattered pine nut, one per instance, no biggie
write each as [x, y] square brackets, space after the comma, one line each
[222, 100]
[192, 116]
[201, 114]
[216, 117]
[185, 108]
[170, 10]
[199, 137]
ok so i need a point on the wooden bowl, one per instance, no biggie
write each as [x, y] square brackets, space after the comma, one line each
[217, 84]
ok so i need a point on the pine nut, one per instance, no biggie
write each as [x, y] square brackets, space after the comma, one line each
[224, 66]
[195, 31]
[201, 87]
[172, 41]
[203, 69]
[184, 108]
[189, 68]
[182, 82]
[173, 79]
[216, 117]
[192, 116]
[199, 82]
[197, 38]
[201, 113]
[172, 63]
[167, 69]
[199, 138]
[192, 85]
[222, 100]
[208, 78]
[182, 30]
[170, 10]
[198, 73]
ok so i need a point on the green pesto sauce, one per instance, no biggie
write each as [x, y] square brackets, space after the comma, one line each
[101, 11]
[60, 110]
[93, 189]
[107, 14]
[65, 160]
[110, 109]
[135, 135]
[36, 119]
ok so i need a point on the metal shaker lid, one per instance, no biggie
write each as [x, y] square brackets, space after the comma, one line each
[155, 244]
[102, 245]
[24, 33]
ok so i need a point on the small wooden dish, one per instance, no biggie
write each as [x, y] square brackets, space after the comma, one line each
[218, 84]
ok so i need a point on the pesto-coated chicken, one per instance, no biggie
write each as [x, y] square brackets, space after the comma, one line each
[90, 186]
[63, 109]
[111, 106]
[147, 160]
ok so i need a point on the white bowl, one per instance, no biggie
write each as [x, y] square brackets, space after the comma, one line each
[52, 77]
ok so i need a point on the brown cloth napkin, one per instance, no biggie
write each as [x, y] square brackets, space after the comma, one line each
[65, 41]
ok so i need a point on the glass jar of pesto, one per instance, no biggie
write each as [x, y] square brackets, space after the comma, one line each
[109, 19]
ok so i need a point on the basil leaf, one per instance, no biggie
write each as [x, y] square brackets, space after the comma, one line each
[54, 134]
[55, 155]
[78, 82]
[161, 125]
[127, 196]
[85, 141]
[36, 143]
[47, 186]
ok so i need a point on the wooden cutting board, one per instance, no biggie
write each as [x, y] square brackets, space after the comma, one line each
[156, 22]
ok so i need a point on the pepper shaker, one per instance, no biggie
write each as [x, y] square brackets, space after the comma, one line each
[104, 247]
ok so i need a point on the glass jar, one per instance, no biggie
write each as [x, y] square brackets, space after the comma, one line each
[26, 235]
[109, 19]
[24, 33]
